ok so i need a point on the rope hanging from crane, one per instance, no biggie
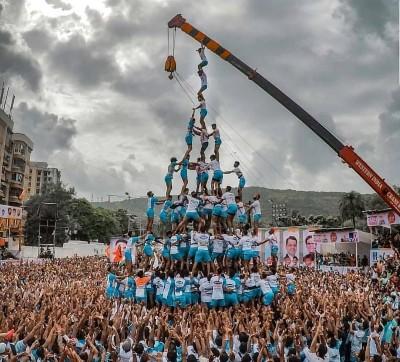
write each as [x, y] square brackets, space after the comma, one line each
[170, 63]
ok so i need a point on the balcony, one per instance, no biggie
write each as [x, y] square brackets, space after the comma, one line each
[19, 155]
[14, 200]
[18, 168]
[16, 184]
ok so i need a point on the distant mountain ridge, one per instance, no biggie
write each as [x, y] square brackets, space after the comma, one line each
[306, 202]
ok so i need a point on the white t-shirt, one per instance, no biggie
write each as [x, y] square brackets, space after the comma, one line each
[125, 356]
[290, 278]
[202, 166]
[273, 280]
[214, 165]
[237, 171]
[206, 290]
[193, 241]
[202, 240]
[241, 209]
[229, 197]
[246, 243]
[264, 286]
[202, 55]
[193, 204]
[217, 287]
[203, 78]
[174, 245]
[203, 136]
[312, 357]
[218, 246]
[256, 207]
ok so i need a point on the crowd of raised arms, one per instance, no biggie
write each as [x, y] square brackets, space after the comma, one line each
[58, 311]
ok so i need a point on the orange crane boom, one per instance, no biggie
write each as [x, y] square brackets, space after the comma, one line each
[346, 153]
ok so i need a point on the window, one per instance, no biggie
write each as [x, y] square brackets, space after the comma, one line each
[38, 191]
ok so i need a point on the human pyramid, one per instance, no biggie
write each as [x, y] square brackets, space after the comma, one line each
[216, 262]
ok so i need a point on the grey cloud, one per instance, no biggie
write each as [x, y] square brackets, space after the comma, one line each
[370, 16]
[59, 4]
[13, 9]
[390, 119]
[39, 40]
[15, 63]
[49, 132]
[78, 62]
[348, 76]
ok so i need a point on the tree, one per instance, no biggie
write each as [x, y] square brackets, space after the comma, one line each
[121, 215]
[351, 206]
[54, 194]
[75, 214]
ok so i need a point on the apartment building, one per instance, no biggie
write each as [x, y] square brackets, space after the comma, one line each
[22, 149]
[40, 176]
[15, 153]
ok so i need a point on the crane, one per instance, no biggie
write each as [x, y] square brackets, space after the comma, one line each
[345, 152]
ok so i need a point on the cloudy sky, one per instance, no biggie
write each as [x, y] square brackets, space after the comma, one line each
[92, 94]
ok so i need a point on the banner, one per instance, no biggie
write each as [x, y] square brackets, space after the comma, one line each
[385, 218]
[290, 247]
[379, 254]
[10, 212]
[117, 249]
[310, 248]
[336, 236]
[267, 248]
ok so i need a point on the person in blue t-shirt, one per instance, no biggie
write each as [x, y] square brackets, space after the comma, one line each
[170, 175]
[152, 201]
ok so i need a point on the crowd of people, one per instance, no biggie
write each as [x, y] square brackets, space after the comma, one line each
[58, 310]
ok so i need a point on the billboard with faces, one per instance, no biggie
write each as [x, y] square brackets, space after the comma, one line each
[290, 247]
[310, 248]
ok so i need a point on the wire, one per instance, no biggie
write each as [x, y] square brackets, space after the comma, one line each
[244, 140]
[168, 40]
[173, 42]
[184, 90]
[256, 174]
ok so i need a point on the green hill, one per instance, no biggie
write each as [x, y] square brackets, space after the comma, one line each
[306, 202]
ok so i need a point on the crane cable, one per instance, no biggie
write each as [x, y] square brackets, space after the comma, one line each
[245, 141]
[248, 159]
[232, 153]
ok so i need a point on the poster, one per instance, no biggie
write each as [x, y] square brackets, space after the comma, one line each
[290, 247]
[385, 218]
[380, 254]
[10, 212]
[117, 249]
[310, 248]
[3, 224]
[336, 236]
[268, 246]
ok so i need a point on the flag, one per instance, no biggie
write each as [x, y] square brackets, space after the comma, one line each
[22, 195]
